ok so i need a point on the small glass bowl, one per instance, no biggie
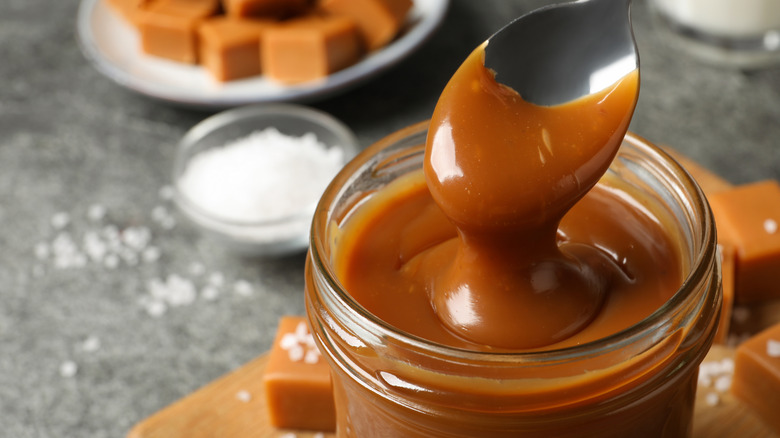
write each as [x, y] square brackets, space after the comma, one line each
[276, 236]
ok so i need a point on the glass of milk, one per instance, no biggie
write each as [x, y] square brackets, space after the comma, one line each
[739, 33]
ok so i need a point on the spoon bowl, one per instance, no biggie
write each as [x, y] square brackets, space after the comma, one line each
[559, 53]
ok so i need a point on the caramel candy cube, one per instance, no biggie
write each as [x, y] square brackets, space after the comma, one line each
[727, 309]
[168, 28]
[757, 375]
[265, 8]
[297, 380]
[309, 48]
[230, 48]
[378, 20]
[747, 217]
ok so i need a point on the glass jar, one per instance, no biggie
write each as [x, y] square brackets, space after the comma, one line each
[640, 382]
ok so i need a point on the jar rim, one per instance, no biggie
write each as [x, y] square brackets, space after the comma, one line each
[698, 272]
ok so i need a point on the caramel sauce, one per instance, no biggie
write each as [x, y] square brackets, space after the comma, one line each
[502, 242]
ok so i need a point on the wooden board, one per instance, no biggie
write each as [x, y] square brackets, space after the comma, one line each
[217, 410]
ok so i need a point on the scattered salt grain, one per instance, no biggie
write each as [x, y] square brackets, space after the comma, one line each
[300, 345]
[770, 226]
[723, 383]
[217, 279]
[151, 254]
[712, 399]
[773, 348]
[60, 220]
[242, 288]
[96, 212]
[265, 175]
[197, 269]
[42, 251]
[91, 344]
[166, 193]
[210, 293]
[68, 368]
[244, 396]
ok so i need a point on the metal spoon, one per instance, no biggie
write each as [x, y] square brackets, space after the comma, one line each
[558, 53]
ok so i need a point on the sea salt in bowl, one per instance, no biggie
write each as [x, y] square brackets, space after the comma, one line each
[250, 178]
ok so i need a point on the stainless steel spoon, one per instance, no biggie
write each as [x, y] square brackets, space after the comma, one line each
[558, 53]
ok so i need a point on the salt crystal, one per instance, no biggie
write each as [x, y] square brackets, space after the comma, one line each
[156, 308]
[770, 226]
[166, 193]
[42, 251]
[244, 396]
[91, 344]
[311, 357]
[773, 348]
[296, 353]
[712, 399]
[151, 254]
[288, 341]
[197, 268]
[217, 279]
[265, 175]
[111, 261]
[96, 212]
[209, 293]
[60, 220]
[242, 288]
[68, 368]
[723, 383]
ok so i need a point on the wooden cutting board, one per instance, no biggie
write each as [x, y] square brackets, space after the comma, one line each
[234, 405]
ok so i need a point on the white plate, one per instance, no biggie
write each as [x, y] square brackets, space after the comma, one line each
[112, 45]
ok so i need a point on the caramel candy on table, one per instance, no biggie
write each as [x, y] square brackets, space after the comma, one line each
[230, 47]
[265, 8]
[748, 217]
[297, 380]
[168, 28]
[309, 48]
[757, 375]
[378, 20]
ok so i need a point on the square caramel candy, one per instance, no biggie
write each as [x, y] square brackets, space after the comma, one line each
[727, 284]
[309, 48]
[747, 218]
[265, 8]
[757, 375]
[230, 47]
[297, 380]
[168, 28]
[378, 20]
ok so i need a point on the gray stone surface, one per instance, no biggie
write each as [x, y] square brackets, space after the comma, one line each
[71, 139]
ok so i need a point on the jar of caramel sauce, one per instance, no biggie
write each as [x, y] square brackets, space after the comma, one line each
[637, 382]
[531, 271]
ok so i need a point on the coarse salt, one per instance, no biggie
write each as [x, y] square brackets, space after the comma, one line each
[68, 368]
[300, 345]
[244, 396]
[264, 176]
[773, 348]
[770, 226]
